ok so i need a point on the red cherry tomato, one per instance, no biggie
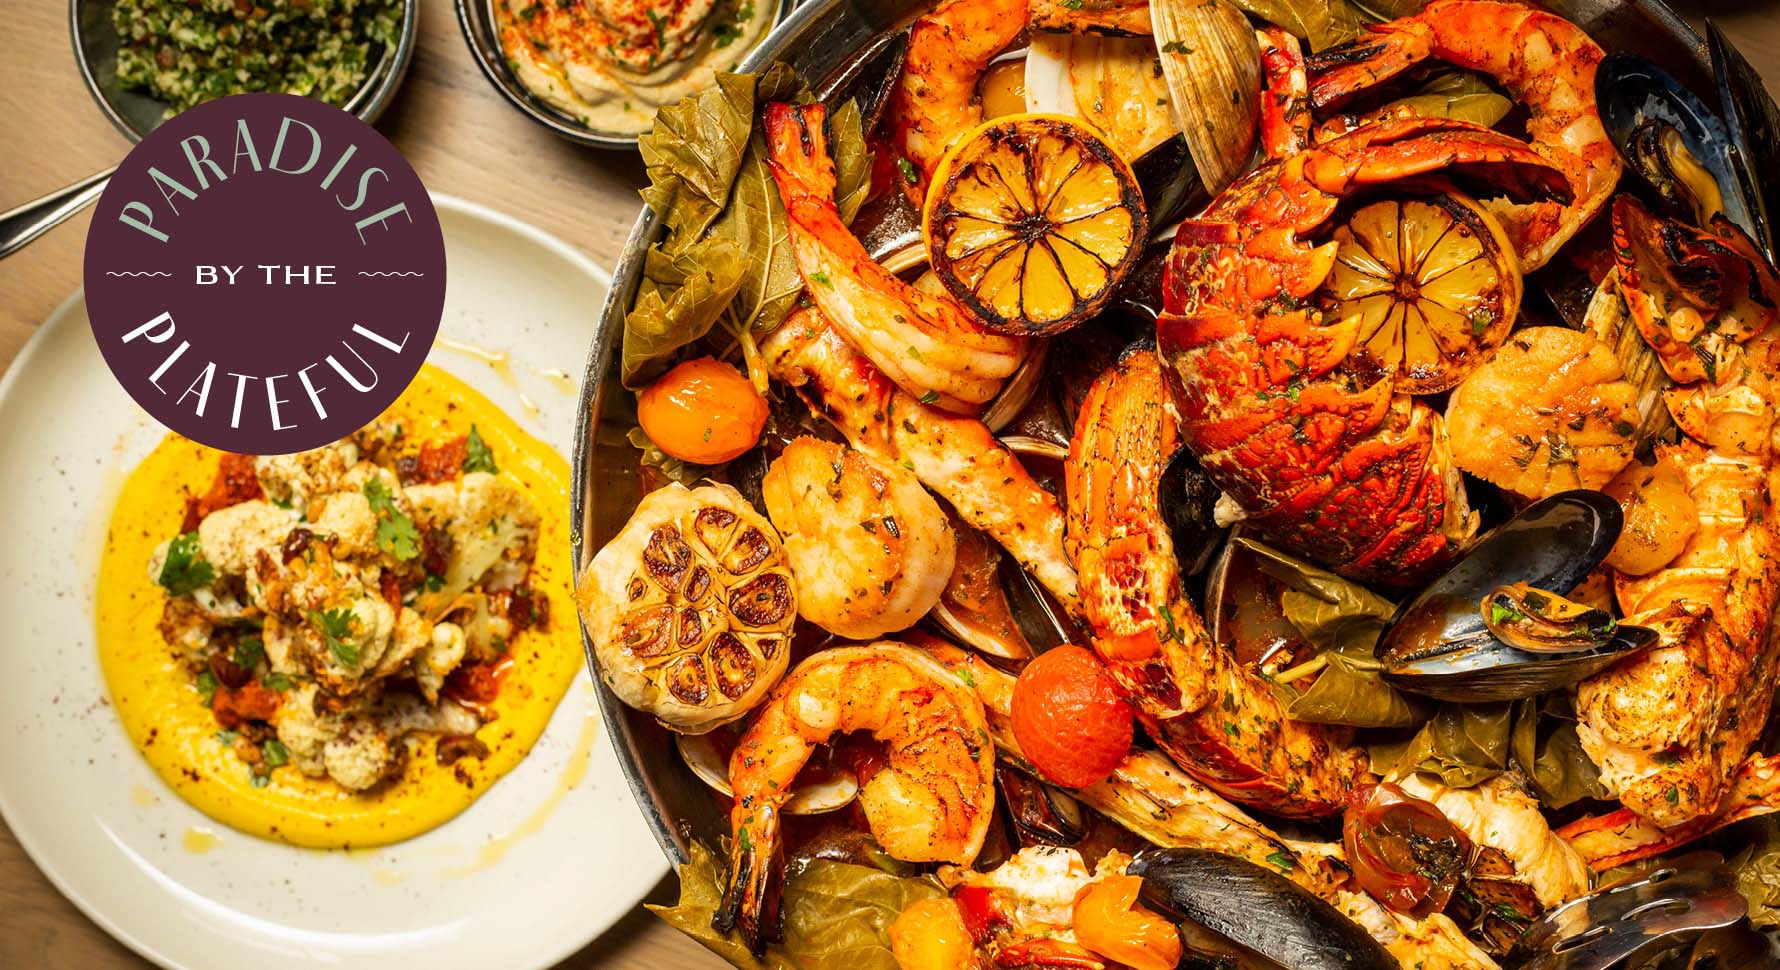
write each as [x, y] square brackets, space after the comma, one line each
[1404, 851]
[1071, 720]
[703, 411]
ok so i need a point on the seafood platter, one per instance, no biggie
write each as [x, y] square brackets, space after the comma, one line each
[1211, 483]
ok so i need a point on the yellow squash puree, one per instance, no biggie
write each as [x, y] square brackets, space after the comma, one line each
[165, 717]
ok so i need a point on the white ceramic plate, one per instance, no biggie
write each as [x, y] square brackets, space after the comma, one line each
[550, 857]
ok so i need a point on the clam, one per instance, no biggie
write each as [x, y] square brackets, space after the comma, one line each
[1683, 150]
[1212, 62]
[1116, 83]
[1440, 645]
[992, 605]
[1257, 909]
[833, 791]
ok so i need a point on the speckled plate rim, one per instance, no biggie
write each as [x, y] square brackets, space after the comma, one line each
[621, 873]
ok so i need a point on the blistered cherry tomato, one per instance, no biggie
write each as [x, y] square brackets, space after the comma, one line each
[703, 411]
[1110, 921]
[930, 935]
[1072, 722]
[1404, 851]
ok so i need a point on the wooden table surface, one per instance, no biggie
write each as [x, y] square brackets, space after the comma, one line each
[462, 139]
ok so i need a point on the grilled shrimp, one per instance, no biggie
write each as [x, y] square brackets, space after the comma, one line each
[956, 457]
[1541, 59]
[931, 802]
[925, 342]
[936, 99]
[871, 550]
[1216, 718]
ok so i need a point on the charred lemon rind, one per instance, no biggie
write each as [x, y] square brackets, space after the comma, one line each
[1031, 221]
[690, 607]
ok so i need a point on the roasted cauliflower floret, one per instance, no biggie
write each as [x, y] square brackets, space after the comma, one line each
[347, 518]
[230, 539]
[440, 657]
[294, 479]
[361, 756]
[488, 521]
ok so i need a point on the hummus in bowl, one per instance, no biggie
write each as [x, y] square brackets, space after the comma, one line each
[609, 64]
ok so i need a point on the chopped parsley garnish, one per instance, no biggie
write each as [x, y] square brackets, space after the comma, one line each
[185, 569]
[1501, 613]
[822, 277]
[929, 397]
[477, 456]
[336, 626]
[396, 533]
[910, 174]
[1283, 860]
[278, 682]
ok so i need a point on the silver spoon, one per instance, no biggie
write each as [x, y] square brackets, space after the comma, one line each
[94, 41]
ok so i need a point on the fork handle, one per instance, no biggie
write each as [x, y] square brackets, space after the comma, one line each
[25, 223]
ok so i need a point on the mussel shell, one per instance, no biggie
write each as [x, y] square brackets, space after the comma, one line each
[1753, 121]
[1258, 909]
[1631, 92]
[1188, 496]
[1437, 644]
[1169, 182]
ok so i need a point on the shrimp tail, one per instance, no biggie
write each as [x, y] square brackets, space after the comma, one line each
[754, 889]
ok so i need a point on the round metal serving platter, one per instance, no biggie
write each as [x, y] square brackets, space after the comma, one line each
[822, 39]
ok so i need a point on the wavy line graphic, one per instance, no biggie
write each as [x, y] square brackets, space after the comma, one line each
[363, 273]
[136, 273]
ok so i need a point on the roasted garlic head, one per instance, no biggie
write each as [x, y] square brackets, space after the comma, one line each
[690, 607]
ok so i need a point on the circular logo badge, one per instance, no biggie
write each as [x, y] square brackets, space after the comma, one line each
[265, 273]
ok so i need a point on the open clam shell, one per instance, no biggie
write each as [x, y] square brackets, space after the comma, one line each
[1439, 644]
[1212, 63]
[834, 792]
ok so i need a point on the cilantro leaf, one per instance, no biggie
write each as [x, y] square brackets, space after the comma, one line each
[477, 456]
[396, 533]
[335, 627]
[277, 681]
[249, 651]
[207, 685]
[185, 569]
[277, 755]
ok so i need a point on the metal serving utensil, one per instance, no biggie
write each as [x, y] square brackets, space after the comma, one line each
[135, 115]
[1691, 894]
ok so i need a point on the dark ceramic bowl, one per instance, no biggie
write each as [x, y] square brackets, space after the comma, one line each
[136, 114]
[821, 39]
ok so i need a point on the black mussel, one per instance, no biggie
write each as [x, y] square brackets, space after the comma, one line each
[1188, 498]
[1039, 814]
[1753, 121]
[869, 78]
[1256, 908]
[1439, 644]
[1673, 141]
[1170, 184]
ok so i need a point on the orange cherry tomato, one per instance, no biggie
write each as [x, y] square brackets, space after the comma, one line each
[930, 935]
[703, 411]
[1070, 718]
[1110, 921]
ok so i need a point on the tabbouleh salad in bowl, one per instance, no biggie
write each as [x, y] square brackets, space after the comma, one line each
[187, 51]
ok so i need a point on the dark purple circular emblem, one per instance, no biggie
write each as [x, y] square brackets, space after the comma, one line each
[265, 273]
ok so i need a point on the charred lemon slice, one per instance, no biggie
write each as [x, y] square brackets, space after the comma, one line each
[1434, 281]
[690, 607]
[1031, 221]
